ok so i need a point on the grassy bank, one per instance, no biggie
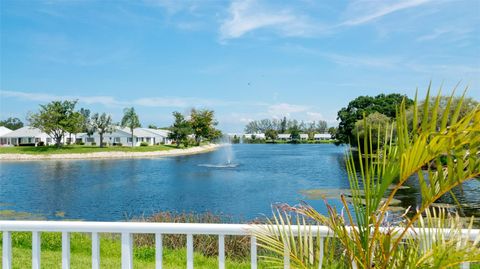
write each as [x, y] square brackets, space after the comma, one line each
[82, 149]
[110, 253]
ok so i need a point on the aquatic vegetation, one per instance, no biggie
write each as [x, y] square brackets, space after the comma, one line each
[366, 235]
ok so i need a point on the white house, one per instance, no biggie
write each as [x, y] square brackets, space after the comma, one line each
[303, 136]
[254, 136]
[30, 136]
[3, 131]
[284, 136]
[322, 137]
[123, 136]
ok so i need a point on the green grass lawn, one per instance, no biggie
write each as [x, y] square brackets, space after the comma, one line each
[110, 253]
[81, 149]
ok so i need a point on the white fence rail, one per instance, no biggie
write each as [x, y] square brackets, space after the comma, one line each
[127, 229]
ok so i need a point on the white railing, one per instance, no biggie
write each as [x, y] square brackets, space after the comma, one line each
[127, 229]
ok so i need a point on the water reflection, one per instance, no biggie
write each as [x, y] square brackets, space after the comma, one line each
[111, 189]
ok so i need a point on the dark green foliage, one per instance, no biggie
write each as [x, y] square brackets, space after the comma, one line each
[144, 144]
[180, 129]
[203, 125]
[366, 105]
[12, 123]
[56, 118]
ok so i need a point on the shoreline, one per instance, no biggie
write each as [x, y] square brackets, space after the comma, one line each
[109, 154]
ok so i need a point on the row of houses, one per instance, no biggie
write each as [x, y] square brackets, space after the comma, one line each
[120, 136]
[285, 137]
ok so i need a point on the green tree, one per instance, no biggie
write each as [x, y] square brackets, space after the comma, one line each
[75, 124]
[294, 133]
[465, 105]
[54, 118]
[130, 120]
[376, 123]
[203, 125]
[424, 238]
[365, 105]
[271, 134]
[283, 125]
[333, 132]
[152, 126]
[180, 129]
[12, 123]
[102, 124]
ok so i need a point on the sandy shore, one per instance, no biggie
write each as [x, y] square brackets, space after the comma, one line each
[109, 154]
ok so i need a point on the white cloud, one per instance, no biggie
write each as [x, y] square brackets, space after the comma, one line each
[285, 109]
[174, 102]
[373, 10]
[247, 16]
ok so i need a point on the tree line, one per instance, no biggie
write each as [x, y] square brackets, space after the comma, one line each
[374, 113]
[61, 118]
[285, 125]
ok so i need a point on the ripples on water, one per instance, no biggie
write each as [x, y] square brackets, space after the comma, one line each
[257, 176]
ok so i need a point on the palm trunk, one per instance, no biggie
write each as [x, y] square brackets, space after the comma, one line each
[101, 140]
[132, 139]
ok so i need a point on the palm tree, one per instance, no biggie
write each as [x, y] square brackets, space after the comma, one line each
[363, 230]
[130, 120]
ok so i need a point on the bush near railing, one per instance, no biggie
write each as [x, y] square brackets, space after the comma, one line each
[236, 247]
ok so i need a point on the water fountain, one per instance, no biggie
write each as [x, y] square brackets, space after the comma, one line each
[227, 155]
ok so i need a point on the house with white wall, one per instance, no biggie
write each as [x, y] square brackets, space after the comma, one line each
[285, 137]
[322, 137]
[28, 135]
[3, 131]
[123, 136]
[303, 136]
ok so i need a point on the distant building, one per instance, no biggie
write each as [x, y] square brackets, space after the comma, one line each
[285, 137]
[3, 131]
[254, 136]
[123, 136]
[31, 136]
[322, 136]
[303, 136]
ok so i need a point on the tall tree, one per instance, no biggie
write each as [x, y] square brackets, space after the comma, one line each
[294, 133]
[180, 129]
[102, 124]
[54, 119]
[130, 120]
[271, 134]
[365, 105]
[12, 123]
[203, 125]
[75, 124]
[283, 125]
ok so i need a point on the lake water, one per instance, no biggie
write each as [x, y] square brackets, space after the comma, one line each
[110, 190]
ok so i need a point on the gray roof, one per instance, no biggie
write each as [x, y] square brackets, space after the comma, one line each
[25, 131]
[4, 130]
[157, 132]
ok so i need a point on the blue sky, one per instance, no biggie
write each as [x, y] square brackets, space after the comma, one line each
[244, 59]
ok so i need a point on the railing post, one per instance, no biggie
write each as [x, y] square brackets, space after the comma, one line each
[127, 251]
[36, 250]
[221, 251]
[253, 252]
[65, 250]
[7, 250]
[95, 251]
[158, 251]
[189, 251]
[320, 258]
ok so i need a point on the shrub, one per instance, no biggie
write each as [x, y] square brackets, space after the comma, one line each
[143, 144]
[94, 144]
[236, 247]
[118, 144]
[41, 144]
